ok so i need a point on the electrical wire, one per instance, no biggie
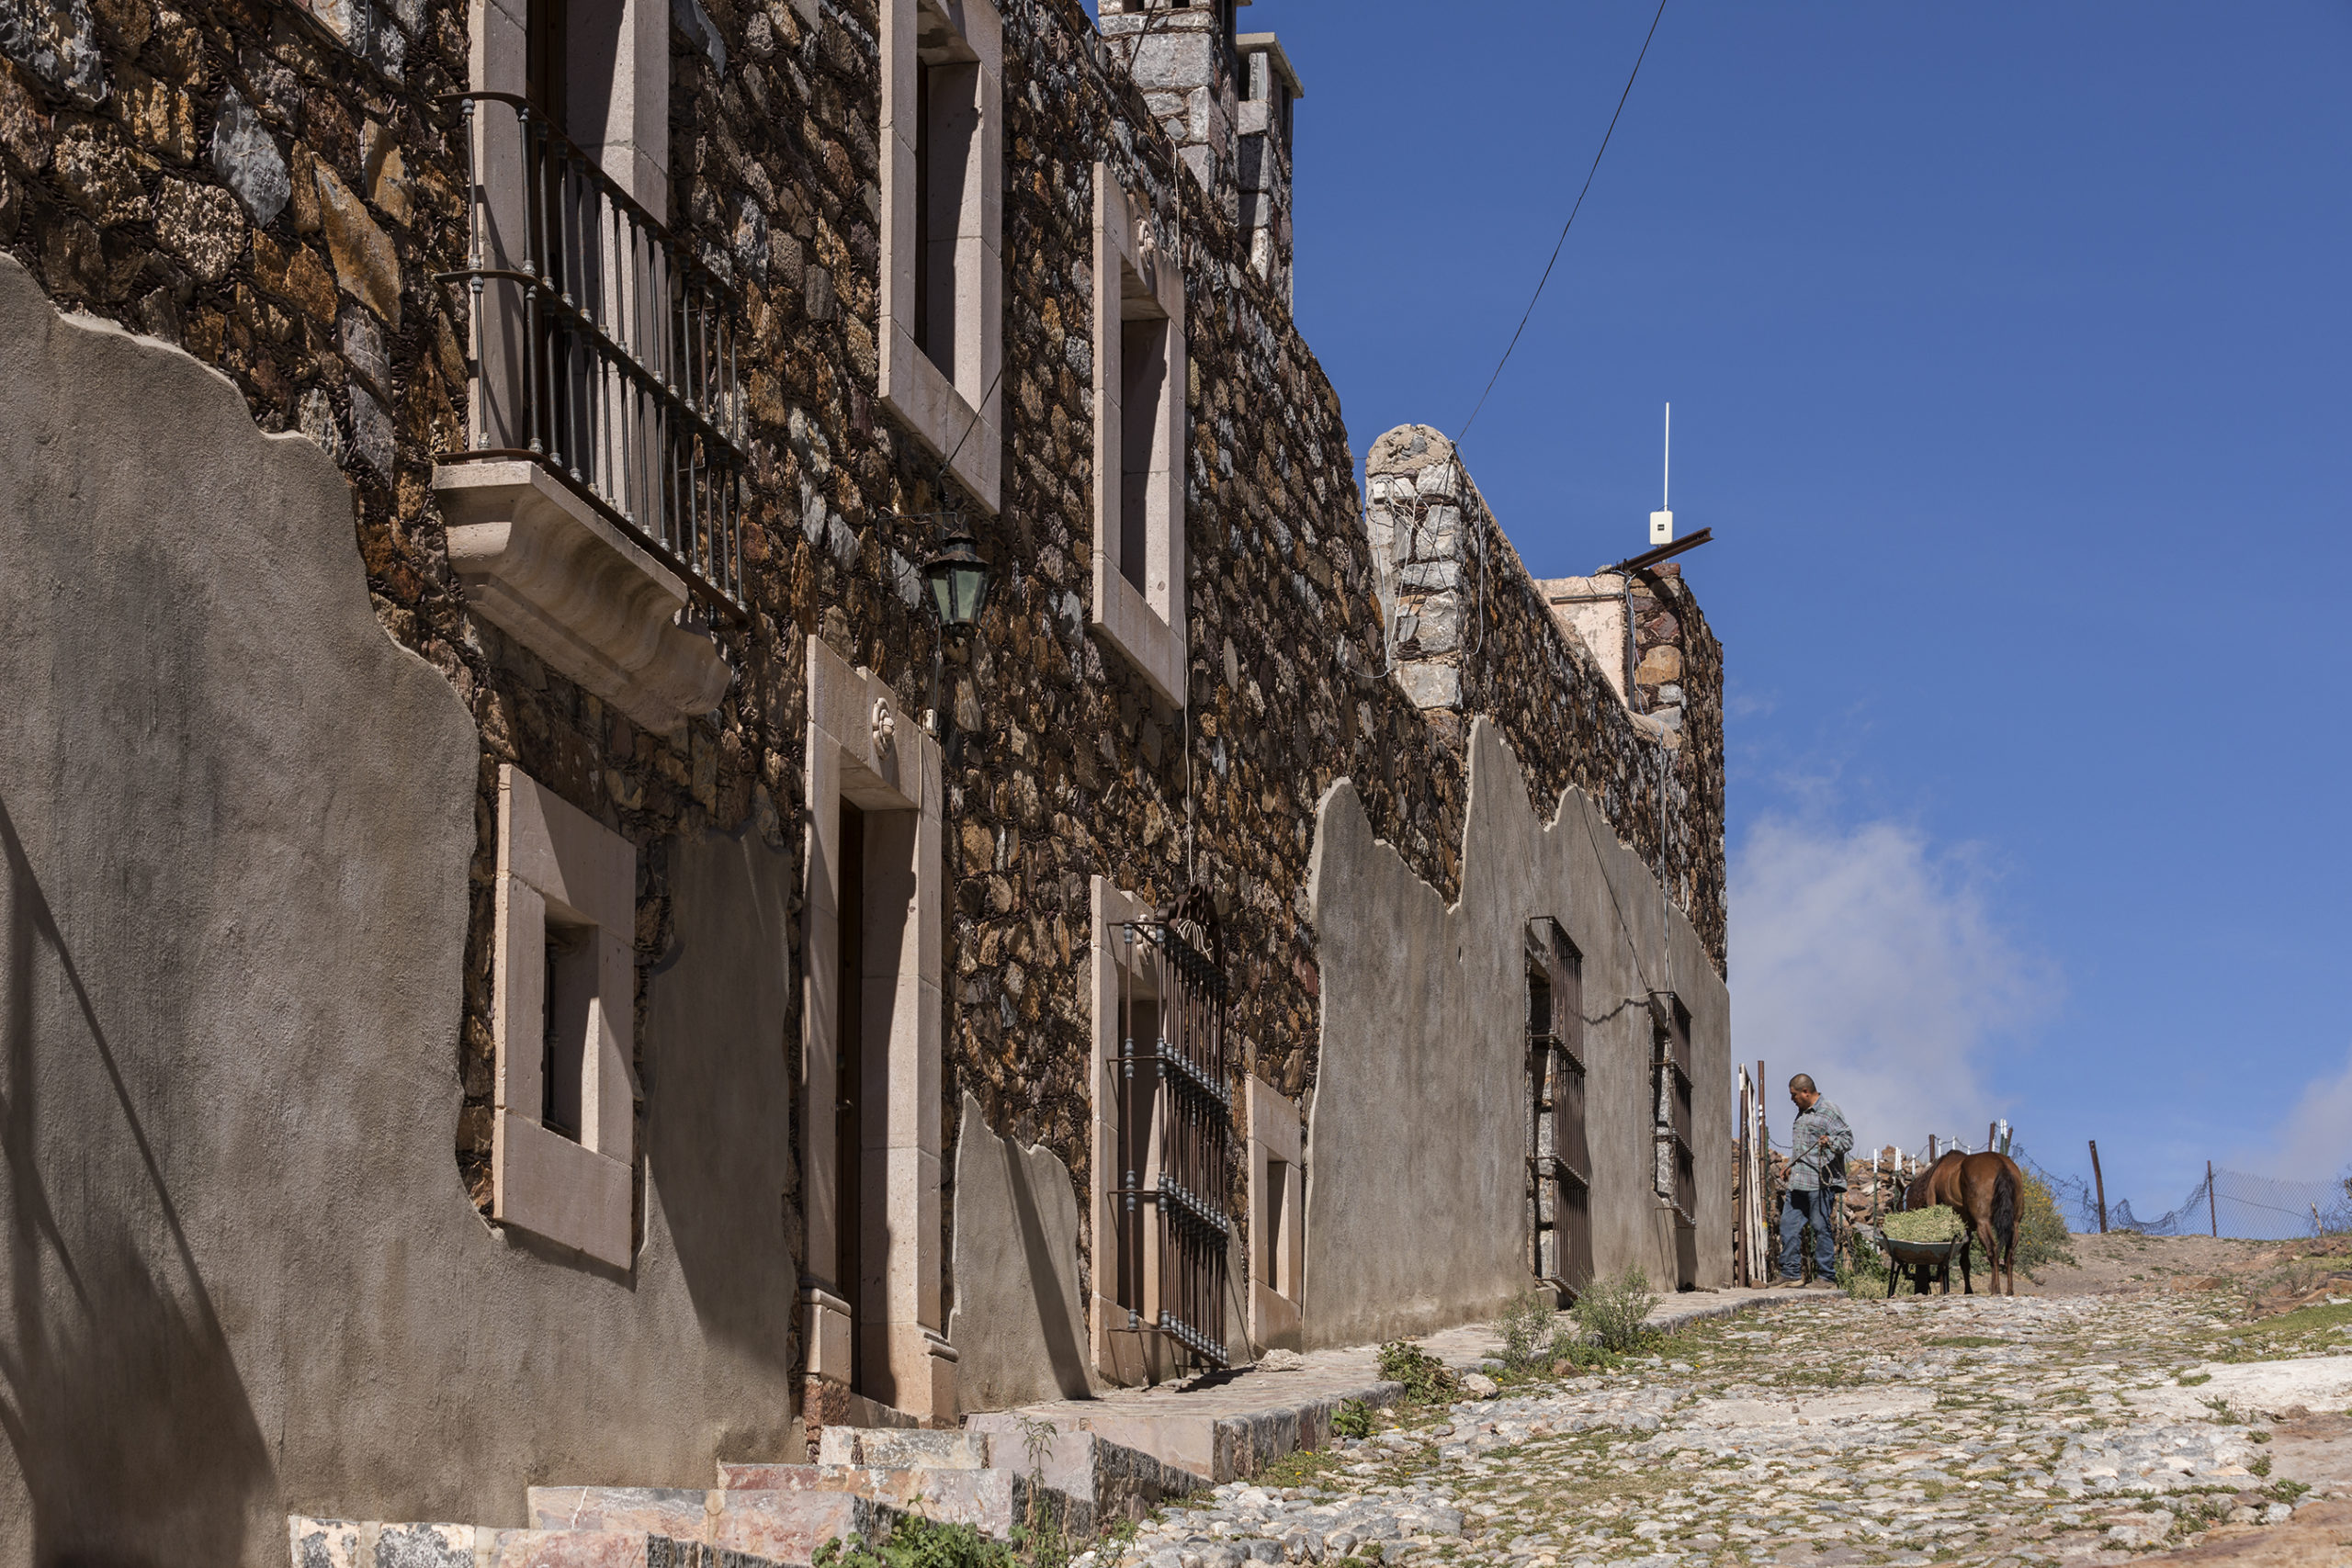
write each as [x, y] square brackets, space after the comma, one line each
[977, 409]
[1566, 227]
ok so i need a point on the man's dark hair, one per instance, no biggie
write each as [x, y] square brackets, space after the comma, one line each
[1803, 1084]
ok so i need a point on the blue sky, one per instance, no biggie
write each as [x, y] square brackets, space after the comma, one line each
[2008, 348]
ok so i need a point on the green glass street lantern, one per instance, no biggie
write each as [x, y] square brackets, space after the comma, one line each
[959, 578]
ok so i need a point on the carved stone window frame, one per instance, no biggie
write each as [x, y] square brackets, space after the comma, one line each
[559, 865]
[959, 414]
[1136, 281]
[862, 749]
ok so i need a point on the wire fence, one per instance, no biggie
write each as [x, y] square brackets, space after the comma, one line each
[2228, 1203]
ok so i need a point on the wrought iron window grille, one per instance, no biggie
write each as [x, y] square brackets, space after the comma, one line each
[598, 349]
[1183, 1097]
[1670, 1078]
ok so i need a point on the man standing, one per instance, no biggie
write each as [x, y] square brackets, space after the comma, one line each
[1817, 1147]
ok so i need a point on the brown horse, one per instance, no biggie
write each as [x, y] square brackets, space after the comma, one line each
[1986, 1189]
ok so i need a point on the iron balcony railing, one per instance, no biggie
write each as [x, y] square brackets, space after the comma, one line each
[599, 350]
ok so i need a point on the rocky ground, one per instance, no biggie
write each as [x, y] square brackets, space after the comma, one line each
[2079, 1429]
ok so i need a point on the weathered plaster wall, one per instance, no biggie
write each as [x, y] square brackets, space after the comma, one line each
[246, 1277]
[1018, 1325]
[1416, 1154]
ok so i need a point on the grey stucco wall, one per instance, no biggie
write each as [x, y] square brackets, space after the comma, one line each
[1415, 1151]
[1018, 1325]
[242, 1274]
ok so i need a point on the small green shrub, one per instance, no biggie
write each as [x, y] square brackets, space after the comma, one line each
[1040, 1537]
[2042, 1237]
[1571, 1344]
[1426, 1378]
[1527, 1328]
[1612, 1309]
[1352, 1419]
[919, 1543]
[1862, 1272]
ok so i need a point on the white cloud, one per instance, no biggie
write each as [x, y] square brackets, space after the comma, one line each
[1861, 956]
[2315, 1139]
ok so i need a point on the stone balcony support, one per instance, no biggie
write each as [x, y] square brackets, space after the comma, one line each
[550, 570]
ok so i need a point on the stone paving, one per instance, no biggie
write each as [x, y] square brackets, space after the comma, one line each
[1971, 1429]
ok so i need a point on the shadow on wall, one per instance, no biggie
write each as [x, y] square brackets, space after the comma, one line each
[1055, 1323]
[1018, 1328]
[128, 1419]
[718, 1093]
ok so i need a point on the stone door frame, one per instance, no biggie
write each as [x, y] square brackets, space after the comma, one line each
[863, 749]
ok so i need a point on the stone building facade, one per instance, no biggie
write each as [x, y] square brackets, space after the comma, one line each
[531, 951]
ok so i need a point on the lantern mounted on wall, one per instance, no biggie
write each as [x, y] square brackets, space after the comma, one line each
[958, 578]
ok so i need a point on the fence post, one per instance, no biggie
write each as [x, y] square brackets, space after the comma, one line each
[2212, 1206]
[1741, 1184]
[1763, 1177]
[2101, 1180]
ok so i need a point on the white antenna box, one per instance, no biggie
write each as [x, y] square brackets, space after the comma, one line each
[1662, 520]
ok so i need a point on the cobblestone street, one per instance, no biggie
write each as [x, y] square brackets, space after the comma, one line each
[1970, 1429]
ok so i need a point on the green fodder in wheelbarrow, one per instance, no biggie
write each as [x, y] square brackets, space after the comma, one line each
[1939, 1223]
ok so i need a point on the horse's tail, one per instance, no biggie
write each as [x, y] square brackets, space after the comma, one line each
[2004, 1206]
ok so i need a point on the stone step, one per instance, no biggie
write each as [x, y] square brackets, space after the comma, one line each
[1110, 1480]
[781, 1525]
[996, 1502]
[902, 1447]
[352, 1543]
[1211, 1439]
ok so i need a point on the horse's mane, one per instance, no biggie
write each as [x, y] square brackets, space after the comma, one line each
[1920, 1194]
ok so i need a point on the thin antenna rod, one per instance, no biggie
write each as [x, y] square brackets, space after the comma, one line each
[1666, 481]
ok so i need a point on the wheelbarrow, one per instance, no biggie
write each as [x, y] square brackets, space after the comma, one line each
[1922, 1261]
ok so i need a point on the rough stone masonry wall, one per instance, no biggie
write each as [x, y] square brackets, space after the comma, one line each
[273, 189]
[1473, 633]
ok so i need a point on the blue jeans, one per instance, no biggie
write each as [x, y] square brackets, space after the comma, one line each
[1815, 1206]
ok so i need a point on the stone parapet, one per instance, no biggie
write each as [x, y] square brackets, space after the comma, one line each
[1470, 631]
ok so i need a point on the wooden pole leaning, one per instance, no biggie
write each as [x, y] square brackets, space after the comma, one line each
[2100, 1181]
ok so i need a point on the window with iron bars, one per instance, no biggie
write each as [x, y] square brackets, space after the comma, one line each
[1175, 1143]
[599, 349]
[1677, 1165]
[1559, 1156]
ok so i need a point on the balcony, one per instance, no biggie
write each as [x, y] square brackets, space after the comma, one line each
[595, 511]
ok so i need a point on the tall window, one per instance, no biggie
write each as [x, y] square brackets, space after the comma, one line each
[942, 191]
[947, 126]
[1559, 1161]
[1676, 1172]
[1162, 1145]
[1140, 387]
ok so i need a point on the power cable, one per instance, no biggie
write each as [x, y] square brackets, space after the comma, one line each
[1566, 227]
